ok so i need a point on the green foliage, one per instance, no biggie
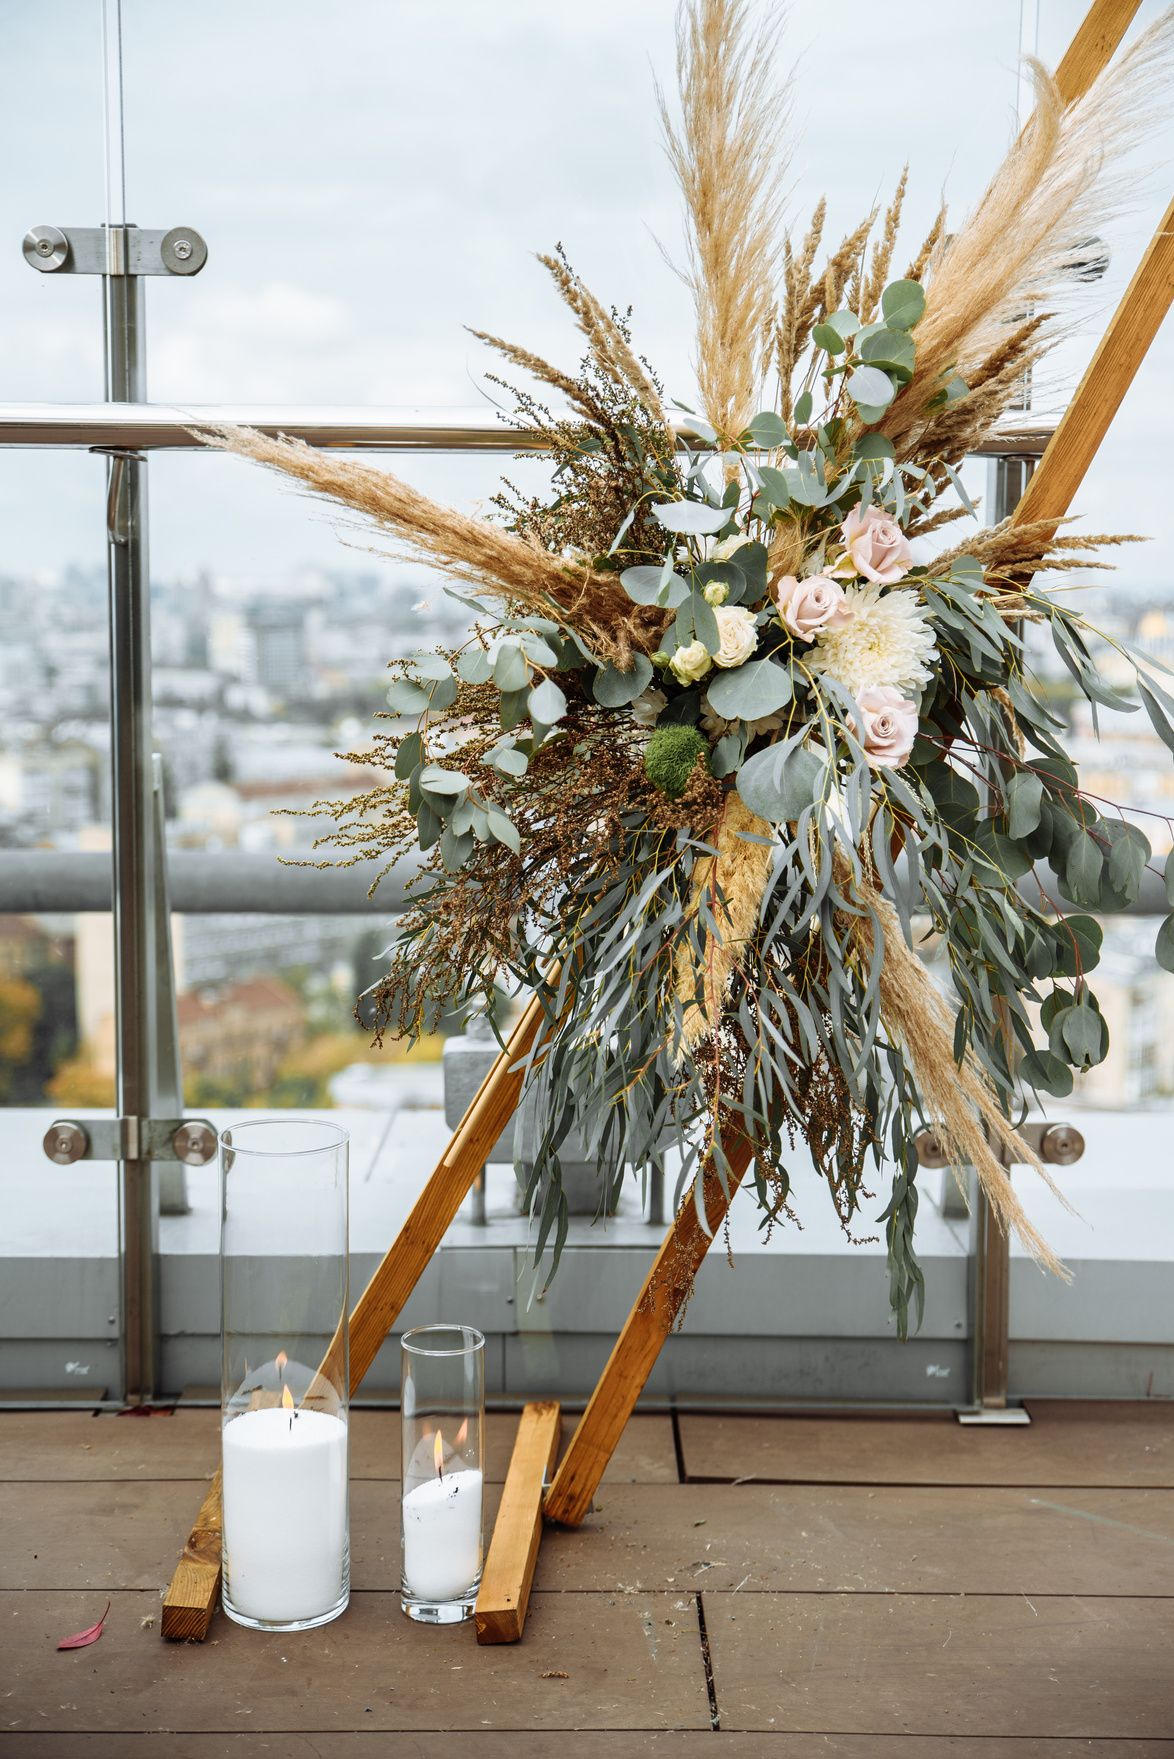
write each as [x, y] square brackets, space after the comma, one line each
[672, 752]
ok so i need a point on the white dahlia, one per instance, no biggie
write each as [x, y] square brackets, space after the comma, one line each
[886, 641]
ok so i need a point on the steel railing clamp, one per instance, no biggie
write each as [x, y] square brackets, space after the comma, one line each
[190, 1140]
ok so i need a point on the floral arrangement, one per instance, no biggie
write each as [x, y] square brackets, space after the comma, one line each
[729, 735]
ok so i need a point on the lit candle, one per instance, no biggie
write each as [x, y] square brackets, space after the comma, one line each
[442, 1531]
[285, 1511]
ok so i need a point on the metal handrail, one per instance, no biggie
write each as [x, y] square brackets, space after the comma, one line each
[155, 427]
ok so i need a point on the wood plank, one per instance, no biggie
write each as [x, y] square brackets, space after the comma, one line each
[631, 1663]
[665, 1291]
[755, 1538]
[1112, 1443]
[578, 1743]
[646, 1452]
[944, 1665]
[191, 1597]
[848, 1539]
[500, 1614]
[1094, 45]
[67, 1445]
[1108, 377]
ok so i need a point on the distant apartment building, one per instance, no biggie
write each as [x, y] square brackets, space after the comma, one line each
[51, 785]
[242, 1033]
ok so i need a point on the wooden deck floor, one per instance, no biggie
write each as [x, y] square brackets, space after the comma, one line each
[850, 1587]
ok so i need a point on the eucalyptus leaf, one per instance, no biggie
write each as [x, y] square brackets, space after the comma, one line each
[648, 586]
[1084, 1033]
[844, 322]
[774, 490]
[803, 407]
[429, 825]
[442, 781]
[1083, 869]
[475, 666]
[510, 671]
[614, 689]
[1164, 945]
[830, 340]
[768, 430]
[1024, 793]
[455, 850]
[408, 756]
[1046, 1072]
[779, 785]
[547, 703]
[407, 698]
[750, 691]
[504, 829]
[690, 518]
[509, 760]
[903, 304]
[870, 387]
[430, 665]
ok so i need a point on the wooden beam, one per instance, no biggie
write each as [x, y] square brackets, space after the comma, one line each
[191, 1598]
[196, 1582]
[500, 1612]
[1093, 46]
[666, 1289]
[1101, 391]
[436, 1207]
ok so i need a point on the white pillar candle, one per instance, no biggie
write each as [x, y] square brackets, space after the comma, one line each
[442, 1536]
[285, 1512]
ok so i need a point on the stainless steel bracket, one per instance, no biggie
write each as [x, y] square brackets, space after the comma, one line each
[190, 1140]
[1059, 1144]
[118, 250]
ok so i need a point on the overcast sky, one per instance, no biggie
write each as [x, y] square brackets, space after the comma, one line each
[371, 175]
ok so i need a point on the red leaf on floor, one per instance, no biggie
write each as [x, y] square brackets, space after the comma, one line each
[84, 1637]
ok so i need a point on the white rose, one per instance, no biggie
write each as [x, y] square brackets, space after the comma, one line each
[716, 593]
[739, 635]
[723, 551]
[690, 664]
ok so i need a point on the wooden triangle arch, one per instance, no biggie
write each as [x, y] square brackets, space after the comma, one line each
[501, 1607]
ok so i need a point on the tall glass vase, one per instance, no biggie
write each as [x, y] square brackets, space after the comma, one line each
[285, 1397]
[442, 1422]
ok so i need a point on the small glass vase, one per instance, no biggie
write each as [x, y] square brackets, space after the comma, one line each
[442, 1422]
[285, 1395]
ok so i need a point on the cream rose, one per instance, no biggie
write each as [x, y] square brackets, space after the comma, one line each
[646, 709]
[723, 551]
[690, 664]
[807, 606]
[876, 546]
[888, 726]
[739, 636]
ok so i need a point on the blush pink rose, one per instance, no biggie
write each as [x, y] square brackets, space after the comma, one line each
[808, 606]
[888, 726]
[876, 545]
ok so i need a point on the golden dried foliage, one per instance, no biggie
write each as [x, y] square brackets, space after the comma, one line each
[732, 884]
[474, 550]
[608, 344]
[961, 1098]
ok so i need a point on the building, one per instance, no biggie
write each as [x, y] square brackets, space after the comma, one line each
[242, 1033]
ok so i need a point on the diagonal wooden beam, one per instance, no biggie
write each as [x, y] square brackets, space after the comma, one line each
[665, 1292]
[1101, 391]
[1093, 46]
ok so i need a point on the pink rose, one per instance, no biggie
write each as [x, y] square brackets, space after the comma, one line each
[876, 544]
[807, 606]
[889, 723]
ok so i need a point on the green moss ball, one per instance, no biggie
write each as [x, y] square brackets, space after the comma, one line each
[671, 754]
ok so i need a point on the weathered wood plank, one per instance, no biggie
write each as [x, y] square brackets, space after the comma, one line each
[942, 1665]
[665, 1291]
[772, 1539]
[67, 1445]
[500, 1614]
[630, 1664]
[577, 1743]
[1117, 1442]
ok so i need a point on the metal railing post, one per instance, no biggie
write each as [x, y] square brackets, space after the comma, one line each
[134, 837]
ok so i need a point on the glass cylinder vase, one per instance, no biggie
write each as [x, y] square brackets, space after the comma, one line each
[442, 1422]
[285, 1395]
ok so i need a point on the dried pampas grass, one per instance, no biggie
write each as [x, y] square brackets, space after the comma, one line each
[730, 158]
[960, 1098]
[732, 884]
[1059, 188]
[473, 550]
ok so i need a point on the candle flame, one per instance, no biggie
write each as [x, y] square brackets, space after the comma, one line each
[287, 1403]
[462, 1433]
[282, 1359]
[438, 1450]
